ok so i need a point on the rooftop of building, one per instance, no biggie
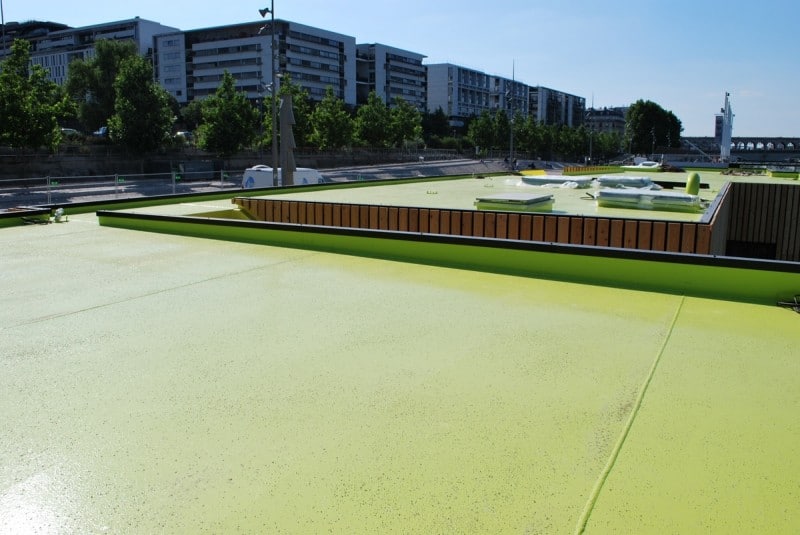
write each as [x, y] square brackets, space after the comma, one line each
[155, 381]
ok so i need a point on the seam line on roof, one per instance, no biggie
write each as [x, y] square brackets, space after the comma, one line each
[598, 487]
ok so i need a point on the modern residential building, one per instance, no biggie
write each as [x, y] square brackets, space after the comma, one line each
[552, 107]
[391, 73]
[55, 46]
[462, 92]
[190, 64]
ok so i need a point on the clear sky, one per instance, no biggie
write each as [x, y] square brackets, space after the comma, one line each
[683, 55]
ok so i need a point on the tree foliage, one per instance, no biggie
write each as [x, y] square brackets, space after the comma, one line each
[30, 105]
[405, 123]
[90, 83]
[372, 122]
[143, 114]
[332, 127]
[229, 120]
[648, 125]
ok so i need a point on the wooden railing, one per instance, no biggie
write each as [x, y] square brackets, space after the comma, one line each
[652, 235]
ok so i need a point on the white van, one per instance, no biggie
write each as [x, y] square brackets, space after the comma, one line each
[261, 176]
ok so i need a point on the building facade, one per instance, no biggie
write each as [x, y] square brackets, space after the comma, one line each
[54, 47]
[606, 120]
[391, 73]
[552, 107]
[190, 64]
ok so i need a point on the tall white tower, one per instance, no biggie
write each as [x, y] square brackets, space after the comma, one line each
[725, 121]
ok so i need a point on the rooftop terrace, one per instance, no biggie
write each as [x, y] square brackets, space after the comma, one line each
[262, 381]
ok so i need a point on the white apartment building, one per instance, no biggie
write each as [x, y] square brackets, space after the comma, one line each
[55, 49]
[552, 107]
[462, 92]
[391, 73]
[190, 64]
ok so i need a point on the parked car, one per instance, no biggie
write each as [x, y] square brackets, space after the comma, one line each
[101, 132]
[70, 133]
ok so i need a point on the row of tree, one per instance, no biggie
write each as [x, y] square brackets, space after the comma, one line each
[116, 88]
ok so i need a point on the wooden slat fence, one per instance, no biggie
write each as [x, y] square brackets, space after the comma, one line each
[649, 235]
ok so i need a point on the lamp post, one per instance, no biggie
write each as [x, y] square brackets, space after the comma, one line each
[263, 12]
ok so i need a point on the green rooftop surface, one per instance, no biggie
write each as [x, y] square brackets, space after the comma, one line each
[154, 383]
[462, 193]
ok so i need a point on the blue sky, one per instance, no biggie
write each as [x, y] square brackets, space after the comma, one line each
[682, 55]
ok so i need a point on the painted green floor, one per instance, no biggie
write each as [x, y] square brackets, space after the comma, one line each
[155, 383]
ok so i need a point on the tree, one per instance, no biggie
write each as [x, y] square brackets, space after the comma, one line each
[301, 109]
[332, 126]
[90, 83]
[228, 120]
[502, 130]
[481, 131]
[405, 123]
[143, 114]
[372, 122]
[648, 125]
[30, 104]
[435, 126]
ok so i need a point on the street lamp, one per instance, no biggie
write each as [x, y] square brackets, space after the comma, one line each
[263, 12]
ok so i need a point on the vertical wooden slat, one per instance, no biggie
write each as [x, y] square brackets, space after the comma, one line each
[276, 211]
[455, 222]
[393, 218]
[513, 227]
[373, 218]
[466, 223]
[659, 242]
[293, 215]
[424, 220]
[645, 235]
[703, 243]
[673, 237]
[413, 219]
[531, 227]
[402, 219]
[630, 238]
[550, 229]
[477, 224]
[576, 230]
[433, 222]
[383, 218]
[363, 216]
[327, 214]
[285, 210]
[590, 231]
[319, 211]
[603, 232]
[490, 224]
[444, 221]
[501, 225]
[688, 237]
[346, 209]
[562, 234]
[616, 233]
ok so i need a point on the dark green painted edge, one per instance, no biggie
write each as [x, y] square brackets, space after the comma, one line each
[734, 279]
[22, 217]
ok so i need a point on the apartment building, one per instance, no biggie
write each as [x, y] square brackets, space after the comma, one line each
[55, 46]
[552, 107]
[190, 64]
[391, 73]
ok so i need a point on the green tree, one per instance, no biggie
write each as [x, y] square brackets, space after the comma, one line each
[30, 105]
[332, 126]
[502, 130]
[192, 114]
[301, 109]
[143, 114]
[481, 131]
[435, 127]
[372, 122]
[405, 123]
[90, 83]
[648, 125]
[228, 120]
